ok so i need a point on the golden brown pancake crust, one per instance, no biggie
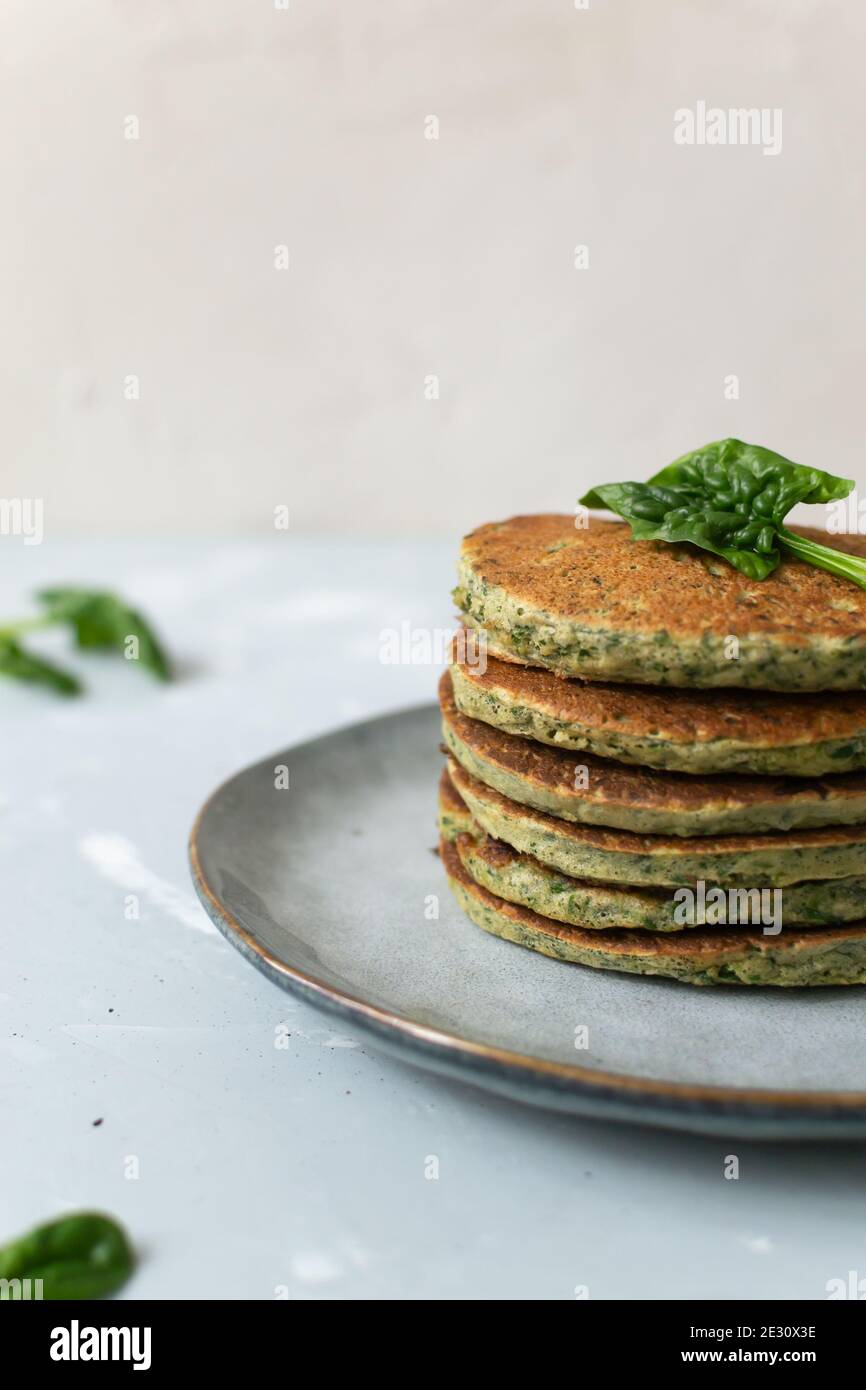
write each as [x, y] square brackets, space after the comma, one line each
[601, 576]
[595, 905]
[553, 770]
[450, 800]
[700, 945]
[668, 846]
[763, 718]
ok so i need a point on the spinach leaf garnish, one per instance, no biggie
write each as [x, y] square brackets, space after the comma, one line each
[732, 498]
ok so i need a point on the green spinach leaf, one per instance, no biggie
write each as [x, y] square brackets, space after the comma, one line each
[731, 498]
[24, 666]
[102, 620]
[82, 1255]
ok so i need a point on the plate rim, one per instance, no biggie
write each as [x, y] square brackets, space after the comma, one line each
[647, 1093]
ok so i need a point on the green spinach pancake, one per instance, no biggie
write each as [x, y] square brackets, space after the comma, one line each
[622, 856]
[590, 790]
[596, 604]
[521, 879]
[692, 731]
[707, 956]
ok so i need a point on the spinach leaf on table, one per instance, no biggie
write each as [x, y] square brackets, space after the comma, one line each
[24, 666]
[82, 1255]
[102, 620]
[98, 620]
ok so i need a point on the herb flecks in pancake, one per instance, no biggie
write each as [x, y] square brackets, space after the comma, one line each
[604, 608]
[737, 956]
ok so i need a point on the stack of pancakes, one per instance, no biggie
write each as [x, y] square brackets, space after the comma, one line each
[656, 764]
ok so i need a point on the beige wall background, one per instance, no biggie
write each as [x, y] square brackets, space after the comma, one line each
[305, 127]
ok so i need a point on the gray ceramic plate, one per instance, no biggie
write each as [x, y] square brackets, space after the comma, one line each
[329, 888]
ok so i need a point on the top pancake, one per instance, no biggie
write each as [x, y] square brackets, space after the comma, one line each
[594, 603]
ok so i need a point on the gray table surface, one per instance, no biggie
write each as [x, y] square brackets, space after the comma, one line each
[244, 1170]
